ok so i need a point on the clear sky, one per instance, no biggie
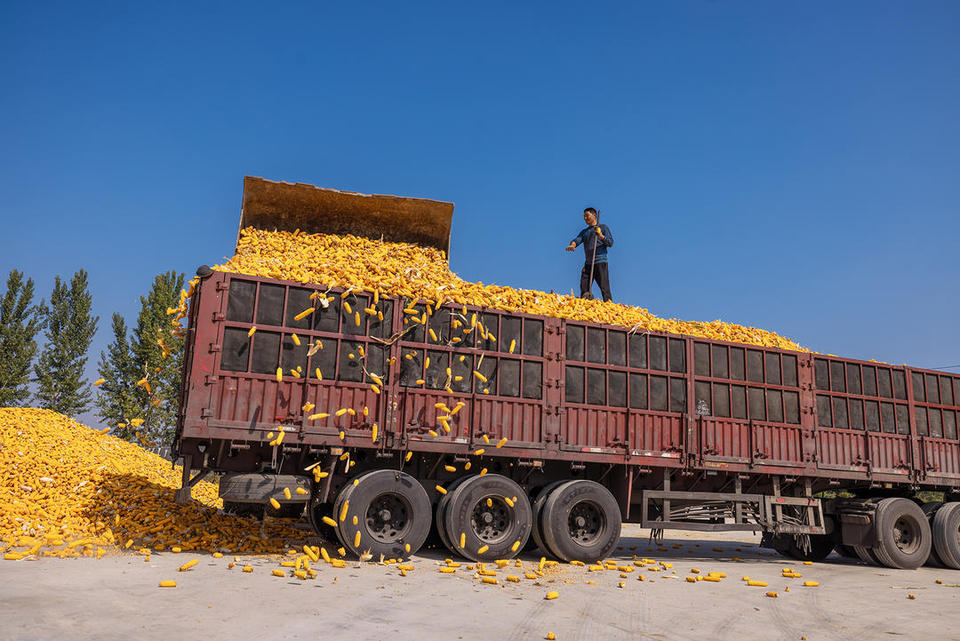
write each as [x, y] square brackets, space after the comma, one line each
[789, 165]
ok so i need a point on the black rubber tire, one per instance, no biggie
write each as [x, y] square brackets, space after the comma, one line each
[315, 513]
[407, 498]
[866, 555]
[441, 510]
[846, 551]
[513, 524]
[536, 533]
[946, 534]
[891, 549]
[930, 509]
[555, 517]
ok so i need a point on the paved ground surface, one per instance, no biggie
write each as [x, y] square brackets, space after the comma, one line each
[119, 598]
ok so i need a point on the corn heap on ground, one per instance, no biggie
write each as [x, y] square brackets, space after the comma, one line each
[423, 273]
[68, 490]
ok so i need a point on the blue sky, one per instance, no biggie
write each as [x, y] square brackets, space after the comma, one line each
[793, 166]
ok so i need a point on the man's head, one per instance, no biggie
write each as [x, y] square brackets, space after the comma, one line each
[590, 216]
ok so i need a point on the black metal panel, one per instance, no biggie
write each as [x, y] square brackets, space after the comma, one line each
[383, 328]
[720, 369]
[758, 404]
[721, 400]
[327, 319]
[617, 388]
[678, 355]
[678, 395]
[509, 377]
[738, 366]
[884, 383]
[324, 359]
[946, 393]
[821, 374]
[376, 362]
[617, 348]
[701, 393]
[298, 300]
[411, 367]
[638, 351]
[949, 424]
[293, 356]
[354, 321]
[900, 385]
[738, 401]
[596, 387]
[853, 379]
[836, 377]
[349, 369]
[791, 407]
[935, 421]
[532, 337]
[596, 345]
[270, 304]
[658, 355]
[903, 419]
[774, 406]
[789, 370]
[773, 368]
[921, 415]
[754, 366]
[240, 302]
[701, 359]
[933, 389]
[575, 343]
[638, 391]
[236, 349]
[436, 369]
[266, 353]
[855, 411]
[510, 332]
[888, 420]
[461, 367]
[659, 398]
[871, 415]
[823, 411]
[490, 370]
[840, 413]
[574, 384]
[532, 380]
[869, 381]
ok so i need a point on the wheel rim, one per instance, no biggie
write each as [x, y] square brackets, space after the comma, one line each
[586, 522]
[388, 517]
[490, 519]
[906, 535]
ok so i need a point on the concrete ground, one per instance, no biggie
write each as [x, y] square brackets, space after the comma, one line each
[119, 598]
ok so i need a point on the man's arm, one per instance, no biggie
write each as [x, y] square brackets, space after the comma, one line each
[607, 237]
[576, 241]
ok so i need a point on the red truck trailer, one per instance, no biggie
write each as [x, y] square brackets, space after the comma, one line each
[500, 430]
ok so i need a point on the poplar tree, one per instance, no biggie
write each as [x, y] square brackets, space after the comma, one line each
[142, 368]
[19, 324]
[70, 327]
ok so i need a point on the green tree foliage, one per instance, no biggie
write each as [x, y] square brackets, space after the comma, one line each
[116, 401]
[142, 372]
[19, 324]
[70, 327]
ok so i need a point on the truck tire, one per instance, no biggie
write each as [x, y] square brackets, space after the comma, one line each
[930, 509]
[536, 532]
[866, 554]
[946, 534]
[391, 510]
[315, 513]
[441, 512]
[903, 532]
[480, 511]
[581, 521]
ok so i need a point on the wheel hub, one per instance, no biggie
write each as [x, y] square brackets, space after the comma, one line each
[490, 519]
[388, 518]
[586, 523]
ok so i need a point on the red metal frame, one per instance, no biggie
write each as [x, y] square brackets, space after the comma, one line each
[242, 407]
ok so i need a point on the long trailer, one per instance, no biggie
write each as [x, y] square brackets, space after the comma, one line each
[501, 431]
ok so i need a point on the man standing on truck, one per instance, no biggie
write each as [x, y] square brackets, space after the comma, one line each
[595, 239]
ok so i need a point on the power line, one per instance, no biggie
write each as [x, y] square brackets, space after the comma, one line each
[947, 367]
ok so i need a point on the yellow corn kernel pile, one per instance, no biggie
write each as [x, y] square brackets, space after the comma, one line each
[422, 273]
[67, 490]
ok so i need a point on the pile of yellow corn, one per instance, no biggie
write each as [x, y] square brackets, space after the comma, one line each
[68, 490]
[422, 273]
